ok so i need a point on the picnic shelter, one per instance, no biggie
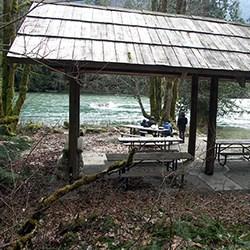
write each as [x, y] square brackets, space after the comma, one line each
[78, 39]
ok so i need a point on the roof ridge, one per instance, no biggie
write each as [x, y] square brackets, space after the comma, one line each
[146, 12]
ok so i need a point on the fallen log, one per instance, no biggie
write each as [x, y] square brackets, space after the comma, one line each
[29, 229]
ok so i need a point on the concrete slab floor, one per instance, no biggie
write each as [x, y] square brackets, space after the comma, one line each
[234, 176]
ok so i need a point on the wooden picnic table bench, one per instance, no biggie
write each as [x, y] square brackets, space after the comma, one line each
[246, 155]
[169, 159]
[237, 147]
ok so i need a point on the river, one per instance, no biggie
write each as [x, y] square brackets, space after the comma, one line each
[53, 109]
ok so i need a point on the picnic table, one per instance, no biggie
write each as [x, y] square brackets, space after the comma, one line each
[155, 131]
[162, 143]
[167, 156]
[231, 147]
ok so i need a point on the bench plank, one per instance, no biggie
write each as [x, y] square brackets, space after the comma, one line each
[155, 156]
[246, 155]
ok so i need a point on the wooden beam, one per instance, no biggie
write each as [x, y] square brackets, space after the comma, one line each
[74, 125]
[132, 69]
[211, 134]
[193, 115]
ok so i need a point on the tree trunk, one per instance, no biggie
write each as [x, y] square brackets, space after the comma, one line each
[163, 5]
[167, 99]
[205, 8]
[22, 93]
[154, 5]
[22, 90]
[8, 108]
[155, 98]
[180, 6]
[138, 96]
[174, 99]
[9, 31]
[1, 100]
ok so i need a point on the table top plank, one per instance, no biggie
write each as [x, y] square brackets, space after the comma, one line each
[233, 141]
[145, 139]
[139, 127]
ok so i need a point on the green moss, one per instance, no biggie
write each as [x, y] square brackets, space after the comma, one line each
[32, 127]
[93, 130]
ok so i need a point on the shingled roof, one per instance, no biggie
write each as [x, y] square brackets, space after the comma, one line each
[123, 40]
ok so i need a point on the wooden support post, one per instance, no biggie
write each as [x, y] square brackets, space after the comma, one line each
[193, 115]
[211, 134]
[74, 125]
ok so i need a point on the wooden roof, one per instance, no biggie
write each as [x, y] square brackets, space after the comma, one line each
[122, 40]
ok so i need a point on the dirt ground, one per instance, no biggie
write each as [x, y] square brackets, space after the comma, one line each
[102, 215]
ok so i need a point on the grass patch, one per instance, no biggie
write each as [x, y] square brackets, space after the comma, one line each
[204, 232]
[233, 133]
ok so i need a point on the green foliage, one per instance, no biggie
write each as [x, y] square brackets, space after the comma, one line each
[4, 130]
[10, 149]
[204, 232]
[42, 79]
[227, 91]
[94, 129]
[7, 178]
[225, 9]
[31, 127]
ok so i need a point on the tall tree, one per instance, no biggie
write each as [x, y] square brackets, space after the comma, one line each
[10, 107]
[164, 90]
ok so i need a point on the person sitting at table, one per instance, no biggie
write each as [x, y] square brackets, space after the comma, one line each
[168, 129]
[151, 121]
[144, 123]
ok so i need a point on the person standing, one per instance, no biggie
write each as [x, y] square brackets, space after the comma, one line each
[181, 124]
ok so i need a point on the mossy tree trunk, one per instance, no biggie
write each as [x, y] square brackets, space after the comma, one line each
[181, 6]
[8, 107]
[167, 85]
[1, 100]
[23, 88]
[174, 99]
[9, 31]
[155, 95]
